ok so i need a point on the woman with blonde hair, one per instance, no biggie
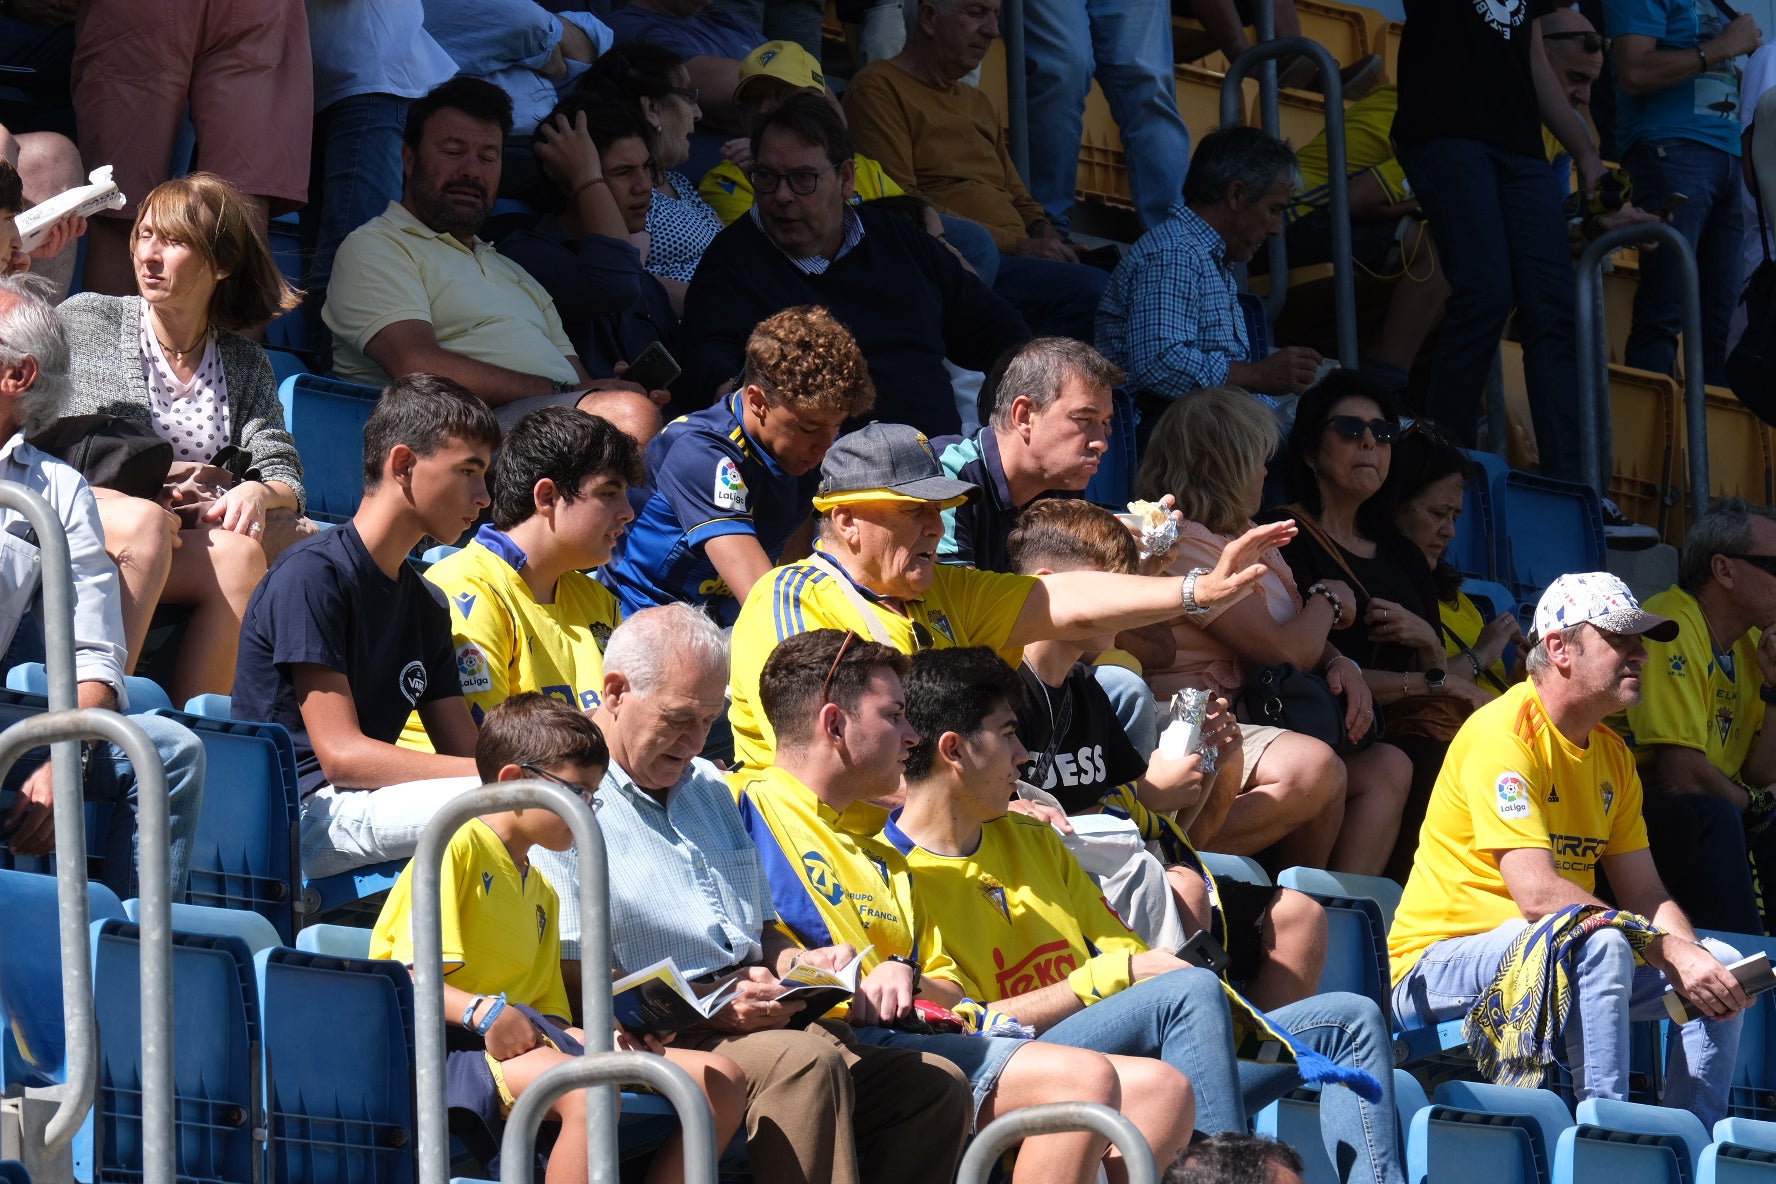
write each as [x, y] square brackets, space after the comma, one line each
[1296, 798]
[173, 358]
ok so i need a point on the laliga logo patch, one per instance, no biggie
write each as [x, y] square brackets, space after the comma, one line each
[730, 488]
[472, 669]
[413, 681]
[1513, 796]
[821, 881]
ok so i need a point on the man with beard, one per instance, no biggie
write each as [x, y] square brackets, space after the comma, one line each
[1535, 795]
[414, 290]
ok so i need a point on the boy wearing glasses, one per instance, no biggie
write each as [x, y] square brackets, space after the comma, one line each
[504, 997]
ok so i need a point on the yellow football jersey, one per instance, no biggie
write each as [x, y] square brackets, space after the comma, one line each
[1511, 781]
[1689, 697]
[964, 607]
[1019, 913]
[831, 881]
[1462, 625]
[506, 642]
[500, 924]
[728, 190]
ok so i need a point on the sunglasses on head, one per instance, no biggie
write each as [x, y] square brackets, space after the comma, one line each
[1588, 41]
[1352, 427]
[1764, 563]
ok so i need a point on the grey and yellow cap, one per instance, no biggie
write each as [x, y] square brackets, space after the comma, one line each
[886, 462]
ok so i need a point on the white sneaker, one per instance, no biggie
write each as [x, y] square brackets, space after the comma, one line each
[1623, 534]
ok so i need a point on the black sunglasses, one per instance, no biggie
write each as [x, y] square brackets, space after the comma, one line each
[586, 795]
[1589, 41]
[801, 182]
[1764, 563]
[1352, 427]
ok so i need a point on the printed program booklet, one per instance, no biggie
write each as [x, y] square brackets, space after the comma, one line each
[1753, 972]
[658, 1000]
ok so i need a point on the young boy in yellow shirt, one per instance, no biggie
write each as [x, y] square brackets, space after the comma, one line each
[503, 991]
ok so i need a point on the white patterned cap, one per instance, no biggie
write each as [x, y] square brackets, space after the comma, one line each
[1602, 599]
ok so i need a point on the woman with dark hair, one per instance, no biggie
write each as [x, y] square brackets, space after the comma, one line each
[588, 248]
[1337, 461]
[173, 359]
[655, 86]
[1426, 484]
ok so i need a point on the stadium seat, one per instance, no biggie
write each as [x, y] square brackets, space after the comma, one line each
[1739, 463]
[1743, 1152]
[1629, 1143]
[244, 855]
[341, 941]
[1491, 599]
[432, 555]
[355, 893]
[13, 1172]
[285, 362]
[1477, 1133]
[1487, 493]
[210, 706]
[1114, 482]
[333, 1118]
[1295, 1119]
[215, 1058]
[252, 929]
[145, 694]
[32, 1044]
[1356, 947]
[1103, 164]
[1383, 891]
[1620, 280]
[327, 418]
[1753, 1093]
[1644, 411]
[1474, 549]
[17, 705]
[1342, 28]
[1235, 867]
[1567, 533]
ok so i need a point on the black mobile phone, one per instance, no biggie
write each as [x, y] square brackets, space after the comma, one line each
[1201, 949]
[1670, 205]
[655, 369]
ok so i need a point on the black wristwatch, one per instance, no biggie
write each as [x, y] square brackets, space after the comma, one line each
[1767, 693]
[917, 973]
[1434, 679]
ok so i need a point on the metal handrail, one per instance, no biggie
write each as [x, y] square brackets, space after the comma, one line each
[1597, 451]
[428, 963]
[1047, 1119]
[153, 838]
[518, 1145]
[1344, 287]
[82, 1053]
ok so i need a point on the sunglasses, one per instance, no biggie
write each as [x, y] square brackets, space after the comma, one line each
[826, 687]
[689, 94]
[1352, 427]
[801, 182]
[1764, 563]
[1588, 41]
[586, 795]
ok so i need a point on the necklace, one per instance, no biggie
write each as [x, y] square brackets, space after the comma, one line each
[203, 335]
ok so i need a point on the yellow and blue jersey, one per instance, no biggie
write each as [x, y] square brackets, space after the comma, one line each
[1694, 697]
[728, 190]
[707, 478]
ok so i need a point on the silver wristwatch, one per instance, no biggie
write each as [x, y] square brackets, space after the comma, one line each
[1187, 592]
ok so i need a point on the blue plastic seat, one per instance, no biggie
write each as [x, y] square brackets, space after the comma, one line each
[282, 350]
[1490, 598]
[33, 1043]
[432, 555]
[215, 1058]
[1235, 867]
[18, 705]
[1477, 1133]
[1565, 534]
[1629, 1143]
[341, 941]
[1743, 1152]
[1356, 949]
[254, 931]
[1474, 550]
[327, 418]
[145, 694]
[13, 1172]
[210, 706]
[334, 1118]
[1753, 1093]
[357, 893]
[1295, 1119]
[244, 855]
[1383, 891]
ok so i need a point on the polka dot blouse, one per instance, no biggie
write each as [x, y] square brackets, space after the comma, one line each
[681, 228]
[192, 416]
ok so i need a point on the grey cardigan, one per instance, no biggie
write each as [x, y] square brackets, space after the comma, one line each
[104, 347]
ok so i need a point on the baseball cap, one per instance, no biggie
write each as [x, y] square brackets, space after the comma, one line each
[783, 60]
[886, 462]
[1602, 599]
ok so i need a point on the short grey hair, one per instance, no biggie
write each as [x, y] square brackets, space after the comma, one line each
[1724, 530]
[1042, 365]
[646, 644]
[1249, 155]
[1537, 662]
[29, 329]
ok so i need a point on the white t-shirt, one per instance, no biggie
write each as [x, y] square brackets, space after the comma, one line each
[191, 416]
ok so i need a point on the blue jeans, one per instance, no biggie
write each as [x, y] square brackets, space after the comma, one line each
[1128, 43]
[182, 756]
[1182, 1018]
[1713, 221]
[355, 173]
[981, 1058]
[1132, 700]
[975, 243]
[1612, 992]
[1501, 237]
[1057, 299]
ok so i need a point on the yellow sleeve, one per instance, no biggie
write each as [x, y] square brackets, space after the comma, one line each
[873, 180]
[1505, 787]
[1674, 698]
[554, 1001]
[393, 936]
[987, 604]
[727, 190]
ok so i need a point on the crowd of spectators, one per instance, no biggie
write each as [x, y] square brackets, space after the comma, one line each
[764, 408]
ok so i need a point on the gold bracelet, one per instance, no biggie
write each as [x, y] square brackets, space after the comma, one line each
[1405, 684]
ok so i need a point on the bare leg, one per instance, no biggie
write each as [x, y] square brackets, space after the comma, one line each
[1294, 802]
[1415, 308]
[140, 537]
[724, 1086]
[1294, 938]
[567, 1161]
[1375, 795]
[49, 164]
[1038, 1073]
[216, 571]
[1160, 1102]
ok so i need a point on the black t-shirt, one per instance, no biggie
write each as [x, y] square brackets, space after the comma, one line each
[1464, 72]
[1078, 749]
[1398, 573]
[327, 602]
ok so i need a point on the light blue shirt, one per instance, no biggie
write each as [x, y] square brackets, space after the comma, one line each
[506, 42]
[1704, 108]
[686, 882]
[371, 48]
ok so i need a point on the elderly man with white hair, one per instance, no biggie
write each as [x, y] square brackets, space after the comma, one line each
[686, 883]
[33, 388]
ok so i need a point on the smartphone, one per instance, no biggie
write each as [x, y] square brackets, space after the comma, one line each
[1201, 949]
[655, 369]
[1670, 205]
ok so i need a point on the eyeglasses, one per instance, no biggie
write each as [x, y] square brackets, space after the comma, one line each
[1352, 427]
[802, 182]
[1588, 41]
[586, 795]
[689, 94]
[921, 637]
[1764, 563]
[826, 687]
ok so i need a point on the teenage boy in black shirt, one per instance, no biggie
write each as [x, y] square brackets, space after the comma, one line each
[342, 639]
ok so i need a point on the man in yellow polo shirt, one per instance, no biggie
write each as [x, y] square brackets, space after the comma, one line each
[879, 512]
[836, 702]
[1534, 795]
[1698, 731]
